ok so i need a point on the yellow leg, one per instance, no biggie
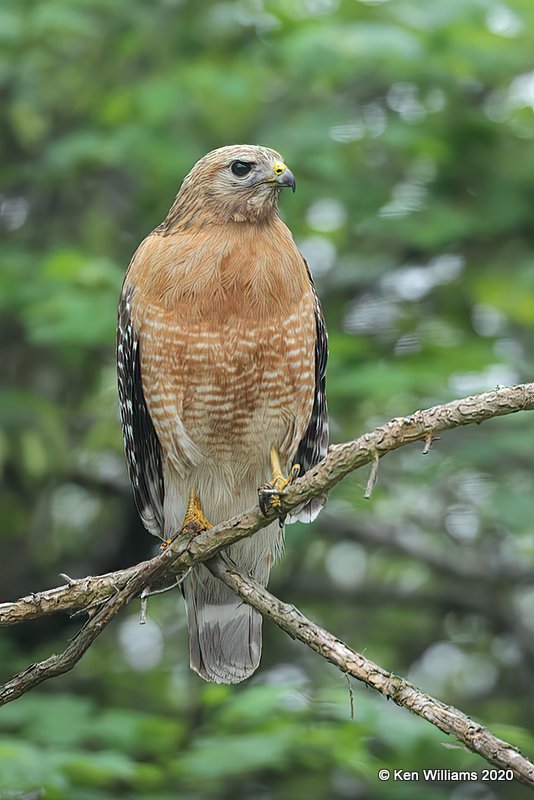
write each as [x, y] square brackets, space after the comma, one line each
[269, 493]
[194, 521]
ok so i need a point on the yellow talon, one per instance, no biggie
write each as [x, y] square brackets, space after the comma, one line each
[293, 474]
[195, 519]
[269, 493]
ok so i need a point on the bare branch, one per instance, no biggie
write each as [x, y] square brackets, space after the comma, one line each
[447, 718]
[99, 618]
[103, 596]
[341, 460]
[344, 458]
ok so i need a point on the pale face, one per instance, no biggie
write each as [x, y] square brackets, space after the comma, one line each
[241, 181]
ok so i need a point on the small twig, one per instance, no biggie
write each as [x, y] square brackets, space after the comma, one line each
[87, 609]
[373, 477]
[351, 696]
[144, 606]
[148, 592]
[429, 441]
[69, 581]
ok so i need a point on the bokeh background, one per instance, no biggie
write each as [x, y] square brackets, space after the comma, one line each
[409, 125]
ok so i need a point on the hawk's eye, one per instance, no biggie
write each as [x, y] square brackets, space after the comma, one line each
[241, 168]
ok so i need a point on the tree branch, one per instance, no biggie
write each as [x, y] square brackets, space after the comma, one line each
[447, 718]
[103, 596]
[341, 460]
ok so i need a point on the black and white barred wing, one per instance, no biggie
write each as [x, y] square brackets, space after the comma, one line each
[141, 445]
[314, 444]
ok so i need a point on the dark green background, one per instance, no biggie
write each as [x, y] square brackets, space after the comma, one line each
[409, 125]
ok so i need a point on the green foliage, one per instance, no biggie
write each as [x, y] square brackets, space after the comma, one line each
[67, 745]
[409, 126]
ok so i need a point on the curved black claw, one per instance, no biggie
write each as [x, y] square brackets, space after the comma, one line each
[268, 499]
[270, 494]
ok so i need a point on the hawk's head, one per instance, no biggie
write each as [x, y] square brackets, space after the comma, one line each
[238, 183]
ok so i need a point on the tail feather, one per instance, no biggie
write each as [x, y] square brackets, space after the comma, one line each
[308, 511]
[225, 639]
[224, 632]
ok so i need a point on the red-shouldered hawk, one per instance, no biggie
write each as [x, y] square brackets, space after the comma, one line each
[221, 355]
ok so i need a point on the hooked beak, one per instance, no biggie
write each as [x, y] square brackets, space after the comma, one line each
[284, 176]
[287, 179]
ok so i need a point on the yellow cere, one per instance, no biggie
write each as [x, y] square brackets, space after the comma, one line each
[279, 167]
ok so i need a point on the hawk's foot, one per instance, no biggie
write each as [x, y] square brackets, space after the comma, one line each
[269, 494]
[195, 520]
